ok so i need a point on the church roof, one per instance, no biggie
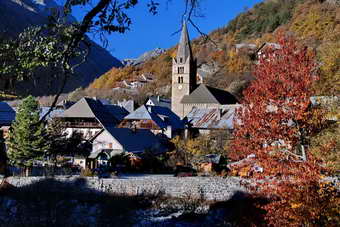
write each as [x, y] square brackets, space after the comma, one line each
[184, 48]
[222, 118]
[209, 95]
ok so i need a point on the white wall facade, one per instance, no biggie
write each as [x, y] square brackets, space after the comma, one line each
[105, 141]
[87, 132]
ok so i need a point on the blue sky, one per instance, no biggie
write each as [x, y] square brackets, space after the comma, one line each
[149, 32]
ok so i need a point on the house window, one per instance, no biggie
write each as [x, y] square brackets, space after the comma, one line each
[110, 145]
[180, 70]
[180, 79]
[180, 60]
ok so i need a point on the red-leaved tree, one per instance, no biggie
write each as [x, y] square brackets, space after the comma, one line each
[276, 116]
[274, 124]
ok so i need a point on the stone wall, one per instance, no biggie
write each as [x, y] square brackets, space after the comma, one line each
[209, 188]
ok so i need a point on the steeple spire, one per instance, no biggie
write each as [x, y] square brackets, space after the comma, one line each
[184, 48]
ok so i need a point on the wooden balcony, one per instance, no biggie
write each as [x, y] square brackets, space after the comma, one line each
[82, 125]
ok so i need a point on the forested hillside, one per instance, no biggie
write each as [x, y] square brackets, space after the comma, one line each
[313, 22]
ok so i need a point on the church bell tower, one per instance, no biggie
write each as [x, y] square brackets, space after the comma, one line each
[183, 73]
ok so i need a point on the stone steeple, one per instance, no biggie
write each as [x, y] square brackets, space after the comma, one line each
[183, 73]
[184, 48]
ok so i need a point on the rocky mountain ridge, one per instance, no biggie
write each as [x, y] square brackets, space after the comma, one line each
[144, 57]
[16, 15]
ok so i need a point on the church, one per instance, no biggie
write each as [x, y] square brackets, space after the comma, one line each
[186, 94]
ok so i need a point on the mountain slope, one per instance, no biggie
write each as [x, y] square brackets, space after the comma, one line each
[315, 23]
[16, 15]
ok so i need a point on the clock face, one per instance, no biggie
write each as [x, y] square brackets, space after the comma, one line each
[179, 87]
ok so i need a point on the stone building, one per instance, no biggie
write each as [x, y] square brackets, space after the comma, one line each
[186, 94]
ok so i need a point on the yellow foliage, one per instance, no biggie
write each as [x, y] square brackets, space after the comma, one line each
[244, 172]
[329, 56]
[316, 21]
[238, 62]
[295, 205]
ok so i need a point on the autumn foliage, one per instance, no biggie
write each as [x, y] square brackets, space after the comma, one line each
[276, 113]
[275, 123]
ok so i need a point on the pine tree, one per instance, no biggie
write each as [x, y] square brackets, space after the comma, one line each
[27, 140]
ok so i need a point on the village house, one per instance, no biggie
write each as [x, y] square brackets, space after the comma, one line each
[147, 77]
[111, 141]
[247, 48]
[260, 53]
[157, 119]
[88, 116]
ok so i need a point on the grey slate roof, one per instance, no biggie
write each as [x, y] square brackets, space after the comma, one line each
[117, 111]
[184, 48]
[7, 114]
[209, 95]
[162, 116]
[212, 118]
[65, 104]
[54, 113]
[170, 118]
[134, 141]
[90, 108]
[142, 113]
[128, 105]
[157, 101]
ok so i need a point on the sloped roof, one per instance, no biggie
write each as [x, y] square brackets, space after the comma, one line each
[117, 111]
[134, 141]
[65, 104]
[142, 113]
[160, 101]
[7, 114]
[54, 113]
[90, 108]
[212, 118]
[170, 117]
[184, 48]
[209, 95]
[128, 105]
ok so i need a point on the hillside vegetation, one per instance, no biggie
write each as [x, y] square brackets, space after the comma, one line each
[313, 22]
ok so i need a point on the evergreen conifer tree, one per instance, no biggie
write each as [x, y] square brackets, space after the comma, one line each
[27, 140]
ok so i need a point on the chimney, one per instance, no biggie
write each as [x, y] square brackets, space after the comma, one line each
[158, 98]
[149, 109]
